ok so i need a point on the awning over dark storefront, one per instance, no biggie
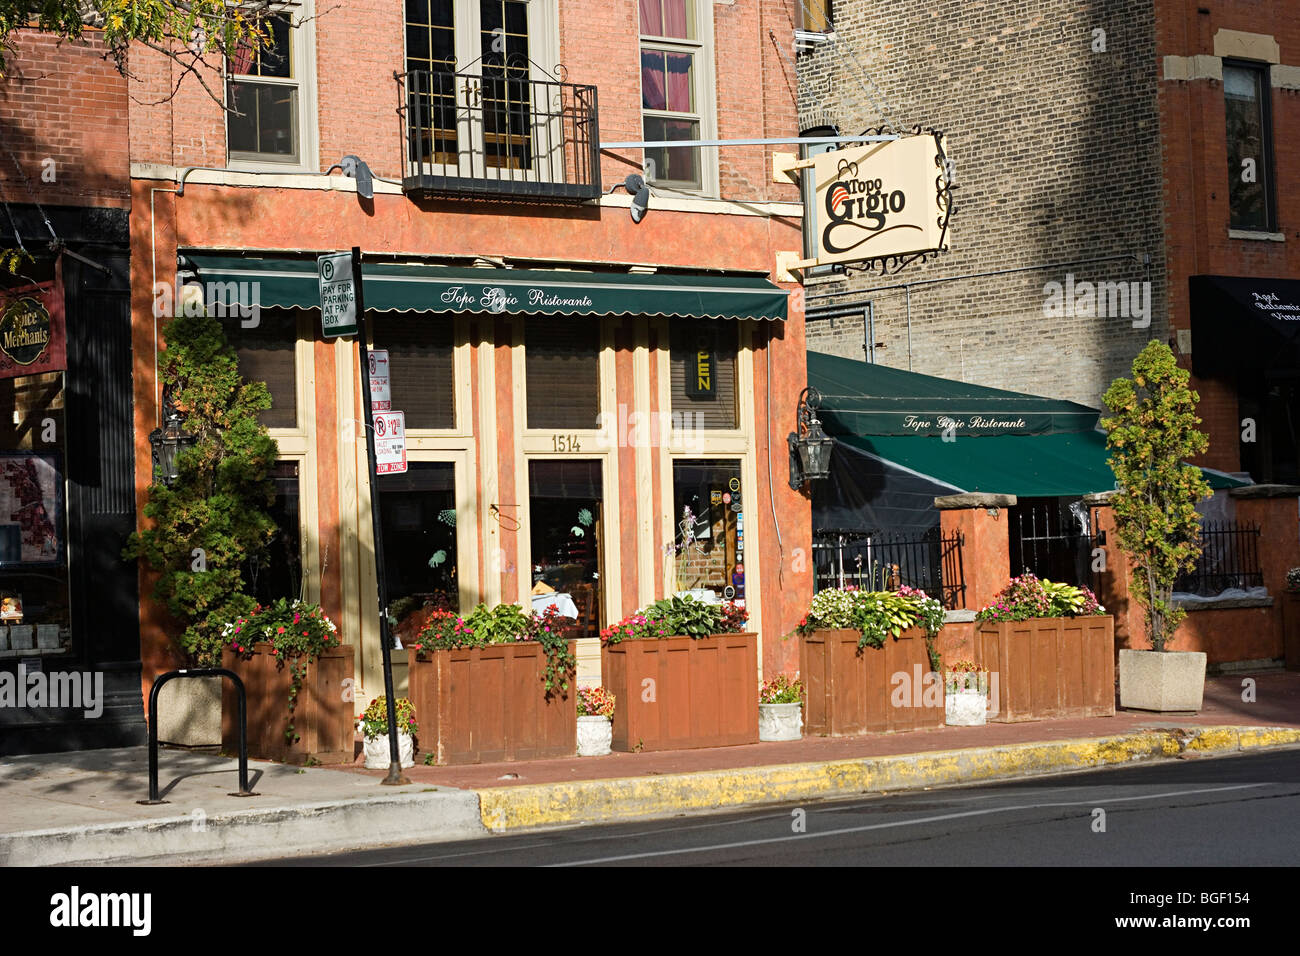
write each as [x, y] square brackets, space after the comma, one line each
[867, 399]
[1041, 447]
[391, 287]
[1244, 325]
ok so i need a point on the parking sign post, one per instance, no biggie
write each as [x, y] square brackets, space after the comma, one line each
[395, 775]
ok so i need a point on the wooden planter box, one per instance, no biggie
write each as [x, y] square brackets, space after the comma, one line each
[852, 691]
[489, 704]
[323, 719]
[1049, 667]
[677, 693]
[1291, 629]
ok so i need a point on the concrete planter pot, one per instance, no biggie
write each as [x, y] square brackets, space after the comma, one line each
[1164, 681]
[378, 756]
[189, 712]
[780, 721]
[965, 708]
[595, 734]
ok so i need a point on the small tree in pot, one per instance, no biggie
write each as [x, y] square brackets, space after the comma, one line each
[1151, 434]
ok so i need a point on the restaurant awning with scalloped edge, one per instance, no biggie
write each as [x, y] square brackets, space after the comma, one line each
[405, 287]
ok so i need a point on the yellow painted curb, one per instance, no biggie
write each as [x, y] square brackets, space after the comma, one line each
[631, 798]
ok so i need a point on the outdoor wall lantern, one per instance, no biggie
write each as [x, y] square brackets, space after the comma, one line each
[810, 447]
[168, 442]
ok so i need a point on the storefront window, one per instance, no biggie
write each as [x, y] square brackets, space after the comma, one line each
[565, 503]
[710, 534]
[267, 354]
[562, 360]
[279, 573]
[420, 367]
[417, 512]
[704, 373]
[33, 527]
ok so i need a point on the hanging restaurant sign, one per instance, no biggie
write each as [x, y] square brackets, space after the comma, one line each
[701, 373]
[32, 338]
[885, 202]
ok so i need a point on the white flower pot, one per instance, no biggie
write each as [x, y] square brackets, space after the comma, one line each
[1169, 681]
[378, 757]
[965, 708]
[780, 721]
[595, 734]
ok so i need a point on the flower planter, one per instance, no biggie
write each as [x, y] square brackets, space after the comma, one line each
[323, 719]
[859, 691]
[780, 721]
[595, 734]
[378, 756]
[965, 708]
[677, 693]
[489, 704]
[1169, 681]
[1049, 667]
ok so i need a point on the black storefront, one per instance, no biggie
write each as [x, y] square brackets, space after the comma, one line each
[69, 603]
[1246, 334]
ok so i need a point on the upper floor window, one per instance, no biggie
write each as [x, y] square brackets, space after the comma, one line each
[264, 98]
[1250, 147]
[673, 67]
[816, 16]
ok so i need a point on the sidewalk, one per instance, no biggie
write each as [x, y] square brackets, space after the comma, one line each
[80, 807]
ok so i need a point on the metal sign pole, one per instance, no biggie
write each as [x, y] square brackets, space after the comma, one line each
[395, 775]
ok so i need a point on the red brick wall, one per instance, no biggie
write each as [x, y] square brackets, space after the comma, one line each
[1196, 179]
[65, 103]
[357, 97]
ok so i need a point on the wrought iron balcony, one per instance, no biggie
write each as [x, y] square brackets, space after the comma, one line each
[498, 133]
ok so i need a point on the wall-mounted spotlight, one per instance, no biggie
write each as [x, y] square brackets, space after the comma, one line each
[640, 193]
[354, 167]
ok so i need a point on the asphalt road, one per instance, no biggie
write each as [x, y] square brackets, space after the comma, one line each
[1230, 811]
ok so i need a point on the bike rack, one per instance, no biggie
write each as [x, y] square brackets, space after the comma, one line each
[244, 791]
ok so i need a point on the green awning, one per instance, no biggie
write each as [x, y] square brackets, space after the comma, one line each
[390, 287]
[859, 398]
[1029, 466]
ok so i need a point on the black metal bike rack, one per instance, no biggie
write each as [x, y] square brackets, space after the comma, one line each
[159, 681]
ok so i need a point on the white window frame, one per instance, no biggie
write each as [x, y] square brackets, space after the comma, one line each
[543, 52]
[705, 95]
[302, 44]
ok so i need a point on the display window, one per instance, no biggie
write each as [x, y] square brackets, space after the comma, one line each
[709, 547]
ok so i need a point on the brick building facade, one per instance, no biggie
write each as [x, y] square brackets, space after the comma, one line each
[456, 188]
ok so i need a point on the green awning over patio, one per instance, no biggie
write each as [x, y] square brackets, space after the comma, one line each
[390, 287]
[859, 398]
[968, 437]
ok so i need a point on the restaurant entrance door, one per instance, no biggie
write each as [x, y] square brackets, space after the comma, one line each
[566, 502]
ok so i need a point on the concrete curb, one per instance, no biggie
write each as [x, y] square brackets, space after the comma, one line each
[266, 832]
[637, 798]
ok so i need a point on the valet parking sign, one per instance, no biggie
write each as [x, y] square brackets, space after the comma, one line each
[390, 443]
[877, 200]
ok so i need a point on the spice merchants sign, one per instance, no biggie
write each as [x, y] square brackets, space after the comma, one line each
[880, 200]
[32, 338]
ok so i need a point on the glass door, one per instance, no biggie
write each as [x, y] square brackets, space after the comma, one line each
[566, 502]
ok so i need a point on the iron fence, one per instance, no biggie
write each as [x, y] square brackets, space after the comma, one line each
[883, 560]
[1229, 559]
[497, 132]
[1055, 540]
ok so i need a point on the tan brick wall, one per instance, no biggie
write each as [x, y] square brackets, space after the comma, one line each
[1057, 159]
